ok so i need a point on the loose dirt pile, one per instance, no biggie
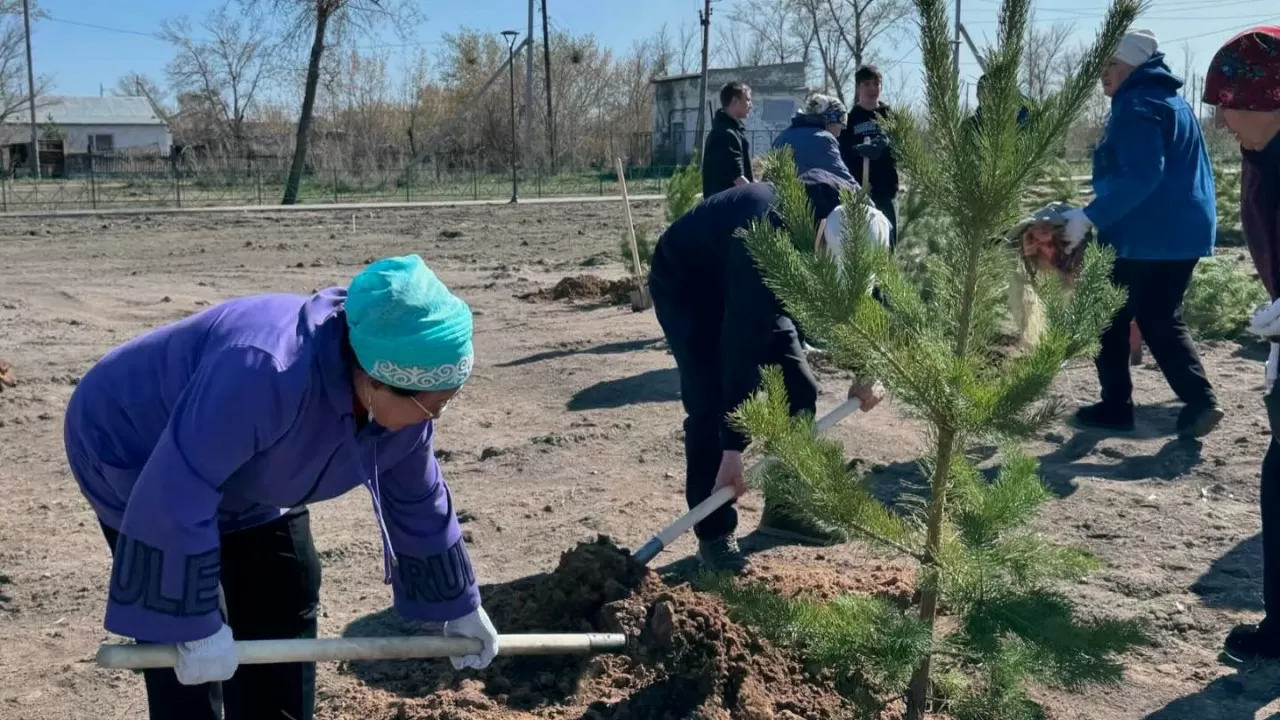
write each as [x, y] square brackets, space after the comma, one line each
[687, 659]
[588, 287]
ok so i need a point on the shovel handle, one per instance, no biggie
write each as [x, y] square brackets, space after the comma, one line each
[266, 652]
[685, 522]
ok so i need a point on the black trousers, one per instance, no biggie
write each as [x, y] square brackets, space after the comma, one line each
[692, 330]
[1270, 501]
[888, 206]
[271, 591]
[1156, 289]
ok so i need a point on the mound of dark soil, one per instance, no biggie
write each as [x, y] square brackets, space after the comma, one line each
[588, 287]
[687, 658]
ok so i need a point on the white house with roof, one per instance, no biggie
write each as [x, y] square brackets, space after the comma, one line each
[101, 125]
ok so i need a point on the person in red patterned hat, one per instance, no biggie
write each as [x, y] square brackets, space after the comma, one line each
[1243, 82]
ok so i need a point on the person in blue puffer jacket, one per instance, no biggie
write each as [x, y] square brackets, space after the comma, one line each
[1155, 204]
[813, 135]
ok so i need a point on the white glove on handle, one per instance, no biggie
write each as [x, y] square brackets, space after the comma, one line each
[1266, 321]
[1078, 225]
[1273, 366]
[476, 625]
[211, 659]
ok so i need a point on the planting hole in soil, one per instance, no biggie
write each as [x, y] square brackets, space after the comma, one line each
[686, 659]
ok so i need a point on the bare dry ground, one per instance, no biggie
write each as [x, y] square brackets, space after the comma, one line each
[570, 428]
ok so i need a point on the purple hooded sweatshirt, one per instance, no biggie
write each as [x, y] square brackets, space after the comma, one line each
[224, 421]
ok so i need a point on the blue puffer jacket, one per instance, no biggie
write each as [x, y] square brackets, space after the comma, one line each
[813, 147]
[1152, 174]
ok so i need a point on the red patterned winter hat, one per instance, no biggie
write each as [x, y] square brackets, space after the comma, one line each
[1245, 72]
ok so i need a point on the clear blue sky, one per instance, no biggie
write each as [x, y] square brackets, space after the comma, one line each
[80, 58]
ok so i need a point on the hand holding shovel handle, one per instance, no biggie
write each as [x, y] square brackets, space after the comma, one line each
[685, 523]
[266, 652]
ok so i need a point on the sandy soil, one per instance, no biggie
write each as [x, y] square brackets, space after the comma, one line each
[570, 428]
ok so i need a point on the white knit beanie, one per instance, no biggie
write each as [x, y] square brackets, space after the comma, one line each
[1137, 47]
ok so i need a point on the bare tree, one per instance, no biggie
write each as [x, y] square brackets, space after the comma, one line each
[324, 21]
[823, 34]
[1042, 68]
[14, 92]
[774, 31]
[420, 104]
[229, 61]
[686, 47]
[733, 48]
[1189, 74]
[137, 84]
[860, 23]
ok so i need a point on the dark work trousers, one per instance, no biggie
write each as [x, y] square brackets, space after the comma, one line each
[692, 330]
[1156, 289]
[271, 591]
[889, 206]
[1270, 501]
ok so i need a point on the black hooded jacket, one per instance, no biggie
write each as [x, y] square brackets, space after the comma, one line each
[727, 156]
[701, 263]
[866, 124]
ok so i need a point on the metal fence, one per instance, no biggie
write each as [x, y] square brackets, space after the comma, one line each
[103, 185]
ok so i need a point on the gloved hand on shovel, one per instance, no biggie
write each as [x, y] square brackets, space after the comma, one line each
[474, 625]
[1266, 324]
[211, 659]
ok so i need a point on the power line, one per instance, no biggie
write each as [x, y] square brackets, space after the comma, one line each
[104, 28]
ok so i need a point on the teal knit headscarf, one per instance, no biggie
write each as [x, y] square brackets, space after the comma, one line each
[407, 329]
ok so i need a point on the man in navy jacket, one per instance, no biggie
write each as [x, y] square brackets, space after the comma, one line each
[722, 323]
[1155, 204]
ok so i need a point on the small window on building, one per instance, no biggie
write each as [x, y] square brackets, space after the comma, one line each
[779, 111]
[102, 143]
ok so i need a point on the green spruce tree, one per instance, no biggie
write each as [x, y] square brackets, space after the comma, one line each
[933, 342]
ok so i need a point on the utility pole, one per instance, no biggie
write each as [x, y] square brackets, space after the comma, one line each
[704, 18]
[511, 36]
[528, 88]
[31, 92]
[955, 47]
[551, 116]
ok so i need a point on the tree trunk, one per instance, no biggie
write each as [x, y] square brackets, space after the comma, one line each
[918, 692]
[308, 106]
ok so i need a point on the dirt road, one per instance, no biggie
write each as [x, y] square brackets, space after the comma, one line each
[570, 427]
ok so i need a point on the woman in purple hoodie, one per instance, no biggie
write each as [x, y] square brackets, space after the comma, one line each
[1243, 82]
[199, 446]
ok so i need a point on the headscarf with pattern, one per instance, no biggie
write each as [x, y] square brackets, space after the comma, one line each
[1245, 72]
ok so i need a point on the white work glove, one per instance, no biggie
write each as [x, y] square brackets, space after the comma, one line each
[211, 659]
[1078, 225]
[1265, 322]
[475, 625]
[1273, 365]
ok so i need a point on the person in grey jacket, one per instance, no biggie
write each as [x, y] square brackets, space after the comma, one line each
[813, 135]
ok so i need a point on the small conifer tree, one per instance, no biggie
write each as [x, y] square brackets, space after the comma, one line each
[933, 343]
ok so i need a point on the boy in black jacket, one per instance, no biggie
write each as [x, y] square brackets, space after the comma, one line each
[865, 119]
[722, 324]
[726, 161]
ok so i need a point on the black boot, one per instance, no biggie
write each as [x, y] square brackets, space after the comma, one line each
[1104, 416]
[1197, 421]
[1252, 643]
[723, 555]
